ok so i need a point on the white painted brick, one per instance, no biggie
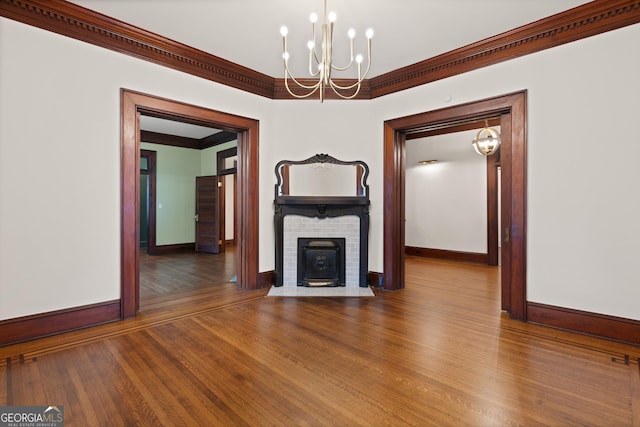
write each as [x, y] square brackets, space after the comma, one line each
[296, 226]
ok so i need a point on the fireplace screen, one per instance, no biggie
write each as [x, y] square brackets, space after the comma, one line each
[321, 262]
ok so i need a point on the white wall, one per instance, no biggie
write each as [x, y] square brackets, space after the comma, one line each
[59, 110]
[446, 202]
[177, 169]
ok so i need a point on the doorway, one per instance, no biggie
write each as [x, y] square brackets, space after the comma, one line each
[452, 195]
[133, 104]
[511, 109]
[227, 170]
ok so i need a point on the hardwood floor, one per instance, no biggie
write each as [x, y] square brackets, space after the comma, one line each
[438, 352]
[166, 276]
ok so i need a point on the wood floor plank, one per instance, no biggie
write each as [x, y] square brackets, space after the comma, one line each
[437, 353]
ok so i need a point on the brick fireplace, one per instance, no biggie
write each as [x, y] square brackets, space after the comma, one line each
[297, 227]
[322, 220]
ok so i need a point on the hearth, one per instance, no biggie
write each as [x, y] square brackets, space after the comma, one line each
[321, 261]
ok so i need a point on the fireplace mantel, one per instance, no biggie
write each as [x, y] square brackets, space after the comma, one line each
[322, 207]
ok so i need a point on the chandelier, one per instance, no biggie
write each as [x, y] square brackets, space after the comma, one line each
[321, 66]
[486, 141]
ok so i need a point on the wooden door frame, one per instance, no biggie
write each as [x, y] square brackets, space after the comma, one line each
[151, 222]
[222, 174]
[222, 205]
[492, 209]
[133, 104]
[512, 111]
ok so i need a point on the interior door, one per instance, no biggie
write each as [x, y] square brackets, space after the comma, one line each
[207, 214]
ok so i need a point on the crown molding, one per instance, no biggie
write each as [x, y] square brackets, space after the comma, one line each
[74, 21]
[574, 24]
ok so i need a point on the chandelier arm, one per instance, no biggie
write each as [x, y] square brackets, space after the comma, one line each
[317, 62]
[364, 76]
[336, 89]
[312, 56]
[346, 67]
[313, 88]
[337, 86]
[288, 75]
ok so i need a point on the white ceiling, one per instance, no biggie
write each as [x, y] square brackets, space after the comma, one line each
[247, 32]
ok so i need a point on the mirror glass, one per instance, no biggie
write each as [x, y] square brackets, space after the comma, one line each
[324, 179]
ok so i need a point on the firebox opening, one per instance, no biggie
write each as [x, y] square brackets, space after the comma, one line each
[321, 262]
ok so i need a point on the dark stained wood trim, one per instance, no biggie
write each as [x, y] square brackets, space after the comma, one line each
[375, 279]
[476, 124]
[222, 214]
[55, 322]
[601, 325]
[285, 180]
[166, 139]
[584, 21]
[74, 21]
[512, 109]
[394, 166]
[492, 211]
[130, 205]
[474, 257]
[186, 142]
[133, 104]
[171, 249]
[221, 156]
[515, 145]
[505, 215]
[153, 172]
[247, 206]
[217, 139]
[92, 27]
[266, 279]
